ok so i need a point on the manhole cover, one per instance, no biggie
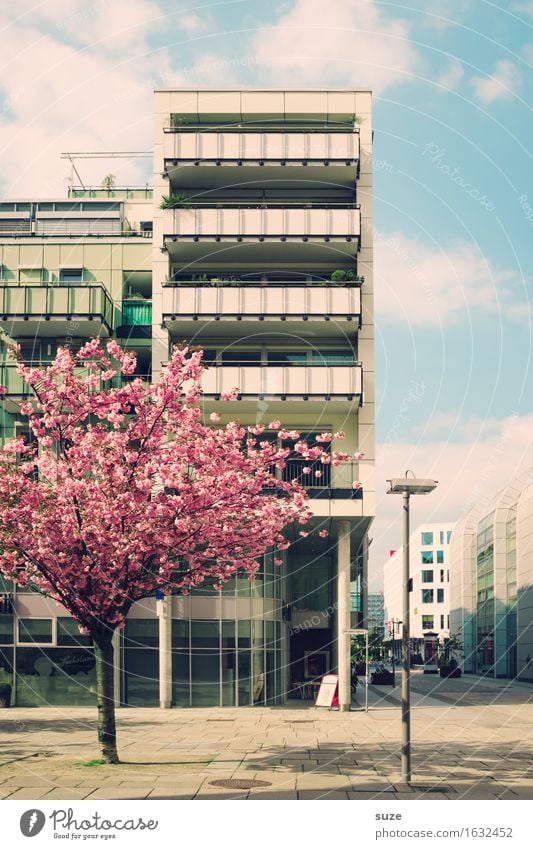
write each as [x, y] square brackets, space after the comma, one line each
[239, 783]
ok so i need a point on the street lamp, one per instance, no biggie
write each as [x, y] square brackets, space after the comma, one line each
[394, 626]
[406, 487]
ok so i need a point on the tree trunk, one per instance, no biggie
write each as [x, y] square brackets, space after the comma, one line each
[105, 688]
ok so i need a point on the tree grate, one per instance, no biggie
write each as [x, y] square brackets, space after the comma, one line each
[239, 783]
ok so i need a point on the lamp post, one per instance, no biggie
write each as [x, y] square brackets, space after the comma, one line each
[394, 625]
[406, 487]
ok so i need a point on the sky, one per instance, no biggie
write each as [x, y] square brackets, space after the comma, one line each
[453, 201]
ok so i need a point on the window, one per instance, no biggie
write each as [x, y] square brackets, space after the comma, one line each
[30, 350]
[447, 575]
[440, 596]
[241, 358]
[288, 358]
[427, 596]
[71, 275]
[35, 631]
[442, 576]
[448, 618]
[68, 633]
[442, 622]
[427, 576]
[441, 538]
[427, 623]
[448, 536]
[440, 556]
[427, 557]
[332, 358]
[427, 538]
[30, 275]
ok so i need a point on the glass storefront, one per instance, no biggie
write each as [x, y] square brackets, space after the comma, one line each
[226, 662]
[140, 663]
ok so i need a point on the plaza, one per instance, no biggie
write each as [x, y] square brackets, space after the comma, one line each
[471, 740]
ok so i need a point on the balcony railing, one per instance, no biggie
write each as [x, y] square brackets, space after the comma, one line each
[220, 281]
[136, 313]
[17, 387]
[324, 480]
[262, 301]
[284, 380]
[26, 302]
[342, 222]
[262, 146]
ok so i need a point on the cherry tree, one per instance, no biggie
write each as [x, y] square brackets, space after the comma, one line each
[125, 491]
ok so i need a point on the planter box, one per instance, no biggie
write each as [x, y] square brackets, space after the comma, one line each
[450, 672]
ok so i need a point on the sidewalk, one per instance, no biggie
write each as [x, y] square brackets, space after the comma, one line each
[460, 751]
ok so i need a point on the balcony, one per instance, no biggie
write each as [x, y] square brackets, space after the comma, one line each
[274, 302]
[36, 310]
[322, 480]
[252, 233]
[136, 319]
[285, 381]
[204, 159]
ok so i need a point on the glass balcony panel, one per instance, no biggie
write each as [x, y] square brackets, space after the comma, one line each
[136, 313]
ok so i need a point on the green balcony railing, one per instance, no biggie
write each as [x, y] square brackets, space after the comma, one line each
[44, 301]
[136, 313]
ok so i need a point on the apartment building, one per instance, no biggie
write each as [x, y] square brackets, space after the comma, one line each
[257, 246]
[429, 548]
[492, 587]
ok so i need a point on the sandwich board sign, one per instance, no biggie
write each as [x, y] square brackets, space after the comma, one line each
[328, 694]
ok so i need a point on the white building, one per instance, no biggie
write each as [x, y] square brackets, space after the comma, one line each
[430, 594]
[492, 587]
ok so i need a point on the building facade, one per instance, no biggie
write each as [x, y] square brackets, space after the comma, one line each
[257, 246]
[429, 548]
[492, 587]
[376, 612]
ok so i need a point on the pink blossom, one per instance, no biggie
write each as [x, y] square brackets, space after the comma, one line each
[318, 474]
[357, 485]
[304, 533]
[306, 470]
[339, 435]
[3, 390]
[215, 417]
[274, 425]
[229, 396]
[358, 456]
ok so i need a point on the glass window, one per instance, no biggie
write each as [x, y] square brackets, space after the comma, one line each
[332, 358]
[427, 576]
[427, 596]
[293, 358]
[241, 358]
[205, 634]
[427, 623]
[6, 630]
[440, 556]
[442, 622]
[141, 633]
[141, 677]
[448, 536]
[68, 633]
[55, 676]
[440, 596]
[35, 631]
[427, 557]
[441, 537]
[442, 576]
[71, 275]
[427, 538]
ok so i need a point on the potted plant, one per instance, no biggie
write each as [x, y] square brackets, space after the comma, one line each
[172, 201]
[5, 695]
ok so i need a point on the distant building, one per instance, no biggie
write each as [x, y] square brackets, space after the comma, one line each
[492, 588]
[376, 611]
[430, 595]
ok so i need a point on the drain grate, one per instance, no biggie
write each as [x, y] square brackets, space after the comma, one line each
[239, 783]
[428, 788]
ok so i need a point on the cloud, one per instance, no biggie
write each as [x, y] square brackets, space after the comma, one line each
[452, 76]
[427, 285]
[468, 470]
[58, 96]
[502, 84]
[192, 23]
[525, 8]
[346, 42]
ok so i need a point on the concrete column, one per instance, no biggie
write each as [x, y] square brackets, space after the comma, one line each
[164, 612]
[343, 616]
